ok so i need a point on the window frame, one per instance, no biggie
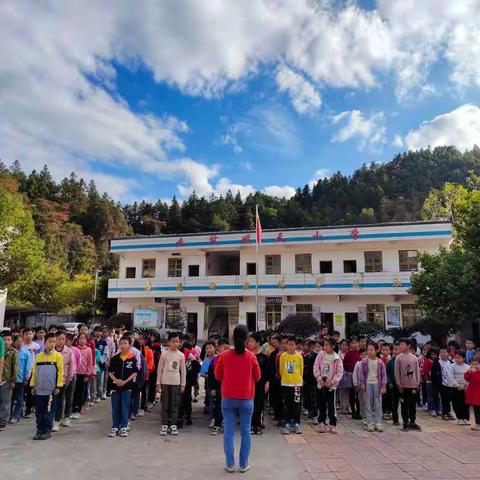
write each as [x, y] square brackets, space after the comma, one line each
[129, 269]
[198, 270]
[325, 261]
[172, 271]
[372, 265]
[249, 265]
[304, 308]
[345, 263]
[275, 256]
[372, 314]
[151, 269]
[300, 266]
[406, 263]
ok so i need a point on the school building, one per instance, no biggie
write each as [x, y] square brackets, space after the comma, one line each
[340, 275]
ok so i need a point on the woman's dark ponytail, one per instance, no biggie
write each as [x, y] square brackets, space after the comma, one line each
[240, 335]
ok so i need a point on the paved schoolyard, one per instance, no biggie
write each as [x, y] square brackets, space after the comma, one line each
[443, 450]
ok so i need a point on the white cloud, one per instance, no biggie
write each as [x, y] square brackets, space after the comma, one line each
[369, 131]
[398, 141]
[320, 174]
[279, 192]
[460, 127]
[305, 98]
[58, 95]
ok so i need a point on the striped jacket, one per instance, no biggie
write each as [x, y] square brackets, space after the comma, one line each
[47, 374]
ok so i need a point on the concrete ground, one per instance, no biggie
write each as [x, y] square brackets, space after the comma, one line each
[84, 451]
[443, 450]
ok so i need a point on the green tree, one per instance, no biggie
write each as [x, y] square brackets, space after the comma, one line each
[449, 283]
[21, 252]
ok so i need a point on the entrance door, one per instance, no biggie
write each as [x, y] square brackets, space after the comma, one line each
[350, 319]
[192, 323]
[252, 321]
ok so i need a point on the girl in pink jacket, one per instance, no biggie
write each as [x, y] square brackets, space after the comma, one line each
[85, 369]
[328, 370]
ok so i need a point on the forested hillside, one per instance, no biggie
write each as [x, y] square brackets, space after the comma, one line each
[57, 234]
[393, 191]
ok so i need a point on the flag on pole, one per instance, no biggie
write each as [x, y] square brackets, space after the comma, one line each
[258, 227]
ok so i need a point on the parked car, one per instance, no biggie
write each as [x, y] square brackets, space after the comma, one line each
[72, 327]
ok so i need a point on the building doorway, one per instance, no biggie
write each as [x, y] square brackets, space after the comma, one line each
[252, 321]
[192, 323]
[350, 319]
[221, 315]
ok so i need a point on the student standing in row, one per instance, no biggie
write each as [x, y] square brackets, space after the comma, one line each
[291, 378]
[25, 366]
[472, 394]
[46, 382]
[64, 399]
[458, 384]
[122, 372]
[328, 372]
[407, 377]
[8, 376]
[171, 380]
[373, 382]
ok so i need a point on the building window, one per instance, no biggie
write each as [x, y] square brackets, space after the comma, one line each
[273, 316]
[408, 260]
[130, 272]
[174, 267]
[304, 308]
[410, 315]
[373, 262]
[193, 270]
[376, 314]
[326, 266]
[148, 268]
[173, 313]
[303, 263]
[349, 266]
[273, 264]
[251, 268]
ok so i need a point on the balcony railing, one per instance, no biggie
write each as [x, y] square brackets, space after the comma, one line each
[289, 284]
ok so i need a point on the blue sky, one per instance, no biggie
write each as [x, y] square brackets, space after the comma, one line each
[265, 95]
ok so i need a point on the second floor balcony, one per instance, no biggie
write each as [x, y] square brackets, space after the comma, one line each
[268, 285]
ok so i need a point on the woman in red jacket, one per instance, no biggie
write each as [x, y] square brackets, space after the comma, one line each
[472, 394]
[238, 371]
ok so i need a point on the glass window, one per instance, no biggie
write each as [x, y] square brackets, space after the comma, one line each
[326, 266]
[251, 268]
[174, 267]
[173, 313]
[193, 270]
[273, 264]
[410, 314]
[273, 316]
[148, 268]
[349, 266]
[130, 272]
[376, 314]
[303, 263]
[305, 308]
[408, 260]
[373, 262]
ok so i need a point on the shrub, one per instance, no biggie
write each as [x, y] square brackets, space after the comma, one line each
[365, 328]
[299, 325]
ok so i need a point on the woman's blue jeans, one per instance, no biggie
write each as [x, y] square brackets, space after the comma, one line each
[230, 408]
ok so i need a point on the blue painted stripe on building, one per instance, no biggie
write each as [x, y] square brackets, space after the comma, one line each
[323, 238]
[298, 286]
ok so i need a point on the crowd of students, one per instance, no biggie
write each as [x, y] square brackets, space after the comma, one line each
[61, 375]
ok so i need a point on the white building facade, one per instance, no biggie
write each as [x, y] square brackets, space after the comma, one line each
[208, 281]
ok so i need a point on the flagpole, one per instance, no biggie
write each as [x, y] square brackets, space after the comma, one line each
[256, 263]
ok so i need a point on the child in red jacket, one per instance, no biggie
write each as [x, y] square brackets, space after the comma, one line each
[472, 394]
